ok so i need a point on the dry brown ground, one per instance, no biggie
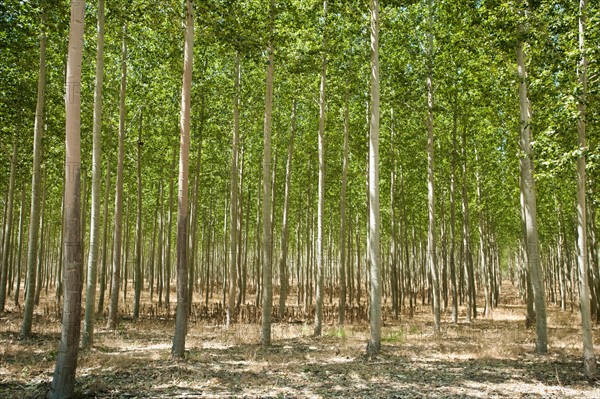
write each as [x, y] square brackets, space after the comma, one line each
[490, 358]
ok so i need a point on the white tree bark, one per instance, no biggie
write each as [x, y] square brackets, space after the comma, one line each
[63, 383]
[431, 241]
[589, 359]
[266, 201]
[529, 195]
[113, 311]
[181, 322]
[90, 293]
[36, 180]
[233, 214]
[375, 320]
[8, 227]
[342, 315]
[321, 194]
[283, 267]
[137, 277]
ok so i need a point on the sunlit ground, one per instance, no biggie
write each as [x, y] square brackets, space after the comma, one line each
[489, 358]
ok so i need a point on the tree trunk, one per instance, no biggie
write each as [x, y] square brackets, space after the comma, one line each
[240, 237]
[483, 261]
[244, 262]
[283, 267]
[393, 244]
[84, 205]
[233, 214]
[8, 227]
[431, 241]
[63, 383]
[90, 293]
[161, 239]
[194, 224]
[152, 261]
[193, 242]
[34, 216]
[529, 195]
[321, 200]
[20, 247]
[167, 239]
[266, 202]
[453, 220]
[225, 262]
[468, 256]
[125, 260]
[342, 314]
[4, 208]
[375, 320]
[113, 312]
[104, 238]
[137, 275]
[58, 276]
[589, 359]
[42, 247]
[181, 322]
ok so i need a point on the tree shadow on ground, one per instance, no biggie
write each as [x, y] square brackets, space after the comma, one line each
[317, 368]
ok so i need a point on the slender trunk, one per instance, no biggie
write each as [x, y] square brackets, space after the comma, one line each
[181, 323]
[257, 250]
[560, 258]
[528, 187]
[161, 239]
[63, 383]
[393, 245]
[34, 216]
[58, 276]
[468, 256]
[321, 194]
[193, 242]
[113, 312]
[589, 359]
[125, 260]
[167, 239]
[2, 237]
[20, 247]
[152, 260]
[225, 262]
[104, 238]
[194, 225]
[266, 201]
[84, 208]
[375, 320]
[90, 292]
[42, 249]
[233, 214]
[8, 227]
[244, 265]
[283, 267]
[342, 314]
[483, 261]
[444, 245]
[453, 221]
[358, 263]
[394, 228]
[12, 261]
[273, 202]
[137, 275]
[242, 243]
[431, 241]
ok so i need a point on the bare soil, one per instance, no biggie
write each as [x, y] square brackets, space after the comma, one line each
[489, 358]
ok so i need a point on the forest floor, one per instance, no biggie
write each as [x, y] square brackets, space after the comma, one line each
[489, 358]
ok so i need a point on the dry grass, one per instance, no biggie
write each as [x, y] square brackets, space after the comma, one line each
[487, 358]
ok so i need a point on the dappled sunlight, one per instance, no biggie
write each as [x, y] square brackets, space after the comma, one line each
[492, 357]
